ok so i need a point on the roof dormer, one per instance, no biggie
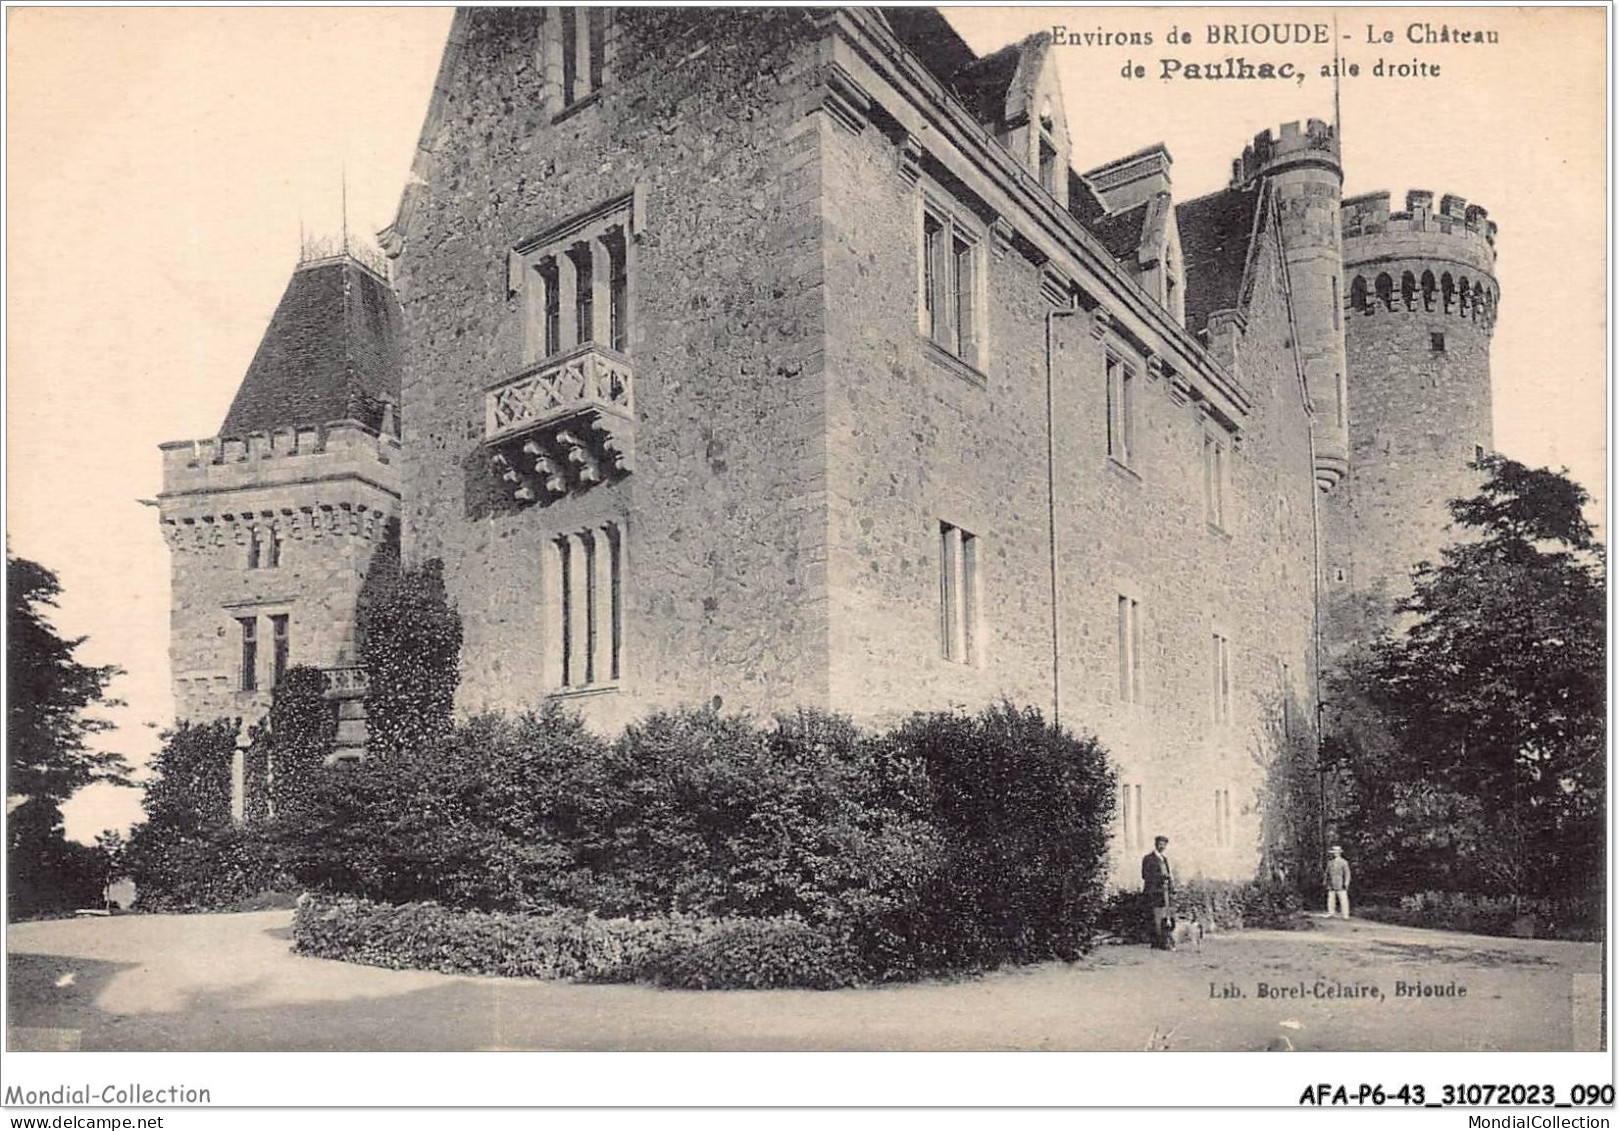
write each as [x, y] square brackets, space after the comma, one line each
[1015, 93]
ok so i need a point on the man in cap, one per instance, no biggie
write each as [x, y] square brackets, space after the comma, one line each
[1158, 888]
[1337, 881]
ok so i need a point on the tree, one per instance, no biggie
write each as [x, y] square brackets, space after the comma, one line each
[1494, 699]
[48, 731]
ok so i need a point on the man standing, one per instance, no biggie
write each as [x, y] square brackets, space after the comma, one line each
[1337, 881]
[1158, 888]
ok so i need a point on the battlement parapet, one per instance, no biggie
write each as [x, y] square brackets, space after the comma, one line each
[1315, 142]
[281, 458]
[1455, 230]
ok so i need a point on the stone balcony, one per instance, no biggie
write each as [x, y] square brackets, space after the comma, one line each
[563, 425]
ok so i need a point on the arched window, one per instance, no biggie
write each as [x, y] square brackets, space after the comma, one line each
[1447, 290]
[1408, 290]
[1385, 290]
[1464, 296]
[1427, 290]
[1357, 293]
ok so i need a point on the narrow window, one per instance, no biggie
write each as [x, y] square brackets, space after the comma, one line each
[272, 548]
[618, 293]
[584, 307]
[933, 280]
[550, 284]
[592, 607]
[255, 547]
[1343, 398]
[250, 653]
[969, 596]
[1478, 453]
[615, 561]
[1130, 649]
[1221, 674]
[1048, 165]
[961, 297]
[570, 56]
[567, 565]
[1336, 312]
[598, 44]
[1216, 479]
[958, 594]
[1436, 342]
[278, 627]
[1120, 410]
[949, 286]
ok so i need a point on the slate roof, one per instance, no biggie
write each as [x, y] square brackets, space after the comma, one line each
[331, 352]
[1120, 233]
[929, 36]
[1215, 232]
[982, 84]
[1083, 203]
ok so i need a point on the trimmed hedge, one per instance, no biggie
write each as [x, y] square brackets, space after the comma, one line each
[756, 954]
[675, 950]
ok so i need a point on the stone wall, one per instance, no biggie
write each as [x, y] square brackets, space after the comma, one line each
[916, 438]
[798, 443]
[1420, 410]
[332, 499]
[705, 114]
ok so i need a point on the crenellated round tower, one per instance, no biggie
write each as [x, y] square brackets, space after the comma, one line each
[1305, 176]
[1419, 311]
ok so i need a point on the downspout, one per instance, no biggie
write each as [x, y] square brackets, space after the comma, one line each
[1051, 516]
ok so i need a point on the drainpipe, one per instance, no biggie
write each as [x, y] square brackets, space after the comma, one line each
[1051, 515]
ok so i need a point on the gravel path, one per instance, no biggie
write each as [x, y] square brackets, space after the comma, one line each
[231, 982]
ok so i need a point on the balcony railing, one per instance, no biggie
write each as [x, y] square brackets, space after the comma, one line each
[563, 425]
[344, 682]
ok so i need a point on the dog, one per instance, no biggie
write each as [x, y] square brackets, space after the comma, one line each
[1186, 931]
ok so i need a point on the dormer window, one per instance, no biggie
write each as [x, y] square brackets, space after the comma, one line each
[1048, 149]
[1048, 165]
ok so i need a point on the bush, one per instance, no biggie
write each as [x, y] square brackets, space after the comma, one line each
[1022, 809]
[1578, 919]
[954, 842]
[1221, 905]
[675, 950]
[756, 954]
[412, 654]
[176, 870]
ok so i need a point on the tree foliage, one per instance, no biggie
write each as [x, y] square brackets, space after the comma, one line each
[49, 695]
[1482, 758]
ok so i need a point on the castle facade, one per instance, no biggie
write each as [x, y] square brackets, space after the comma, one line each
[774, 358]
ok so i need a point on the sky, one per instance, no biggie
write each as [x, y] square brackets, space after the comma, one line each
[163, 161]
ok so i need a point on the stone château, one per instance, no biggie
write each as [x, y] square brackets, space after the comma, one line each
[767, 358]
